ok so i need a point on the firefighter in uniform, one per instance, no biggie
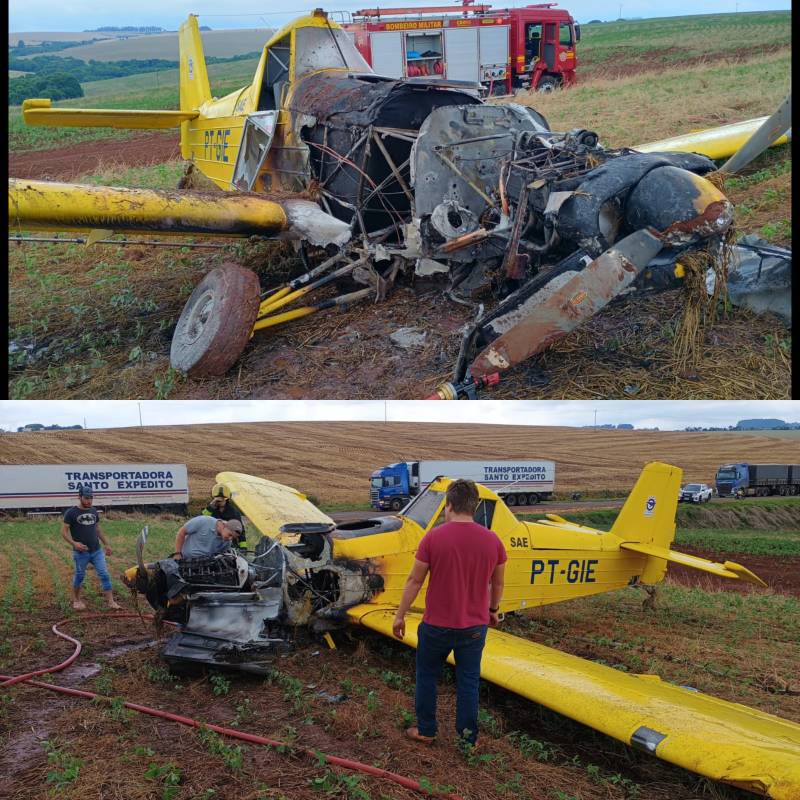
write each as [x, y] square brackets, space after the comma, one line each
[222, 507]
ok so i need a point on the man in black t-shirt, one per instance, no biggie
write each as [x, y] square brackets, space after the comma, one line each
[81, 529]
[222, 507]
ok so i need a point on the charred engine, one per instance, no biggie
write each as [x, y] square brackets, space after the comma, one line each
[433, 181]
[242, 611]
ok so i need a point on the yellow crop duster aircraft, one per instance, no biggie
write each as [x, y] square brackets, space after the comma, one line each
[397, 178]
[309, 574]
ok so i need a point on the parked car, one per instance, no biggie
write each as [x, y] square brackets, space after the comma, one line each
[695, 493]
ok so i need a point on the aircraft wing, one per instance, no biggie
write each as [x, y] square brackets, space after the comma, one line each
[721, 740]
[40, 112]
[716, 143]
[730, 569]
[269, 505]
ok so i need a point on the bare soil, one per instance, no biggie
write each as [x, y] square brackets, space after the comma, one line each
[65, 163]
[781, 574]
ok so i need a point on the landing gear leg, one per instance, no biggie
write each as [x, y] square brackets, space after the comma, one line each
[649, 603]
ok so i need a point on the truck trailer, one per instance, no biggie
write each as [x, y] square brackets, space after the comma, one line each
[758, 480]
[48, 487]
[517, 482]
[533, 47]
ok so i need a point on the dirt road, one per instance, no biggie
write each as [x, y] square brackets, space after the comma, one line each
[542, 508]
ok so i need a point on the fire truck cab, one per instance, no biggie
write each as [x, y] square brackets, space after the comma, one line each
[533, 47]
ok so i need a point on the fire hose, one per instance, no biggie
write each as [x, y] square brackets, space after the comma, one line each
[346, 763]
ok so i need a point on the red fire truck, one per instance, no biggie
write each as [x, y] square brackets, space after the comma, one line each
[530, 47]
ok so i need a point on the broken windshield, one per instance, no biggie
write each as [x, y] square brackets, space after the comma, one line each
[326, 48]
[424, 507]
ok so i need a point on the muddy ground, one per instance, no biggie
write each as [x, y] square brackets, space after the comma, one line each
[66, 163]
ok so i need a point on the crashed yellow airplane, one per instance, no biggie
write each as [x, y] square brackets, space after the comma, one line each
[395, 178]
[309, 574]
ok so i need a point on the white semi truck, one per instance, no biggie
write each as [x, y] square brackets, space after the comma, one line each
[43, 487]
[517, 482]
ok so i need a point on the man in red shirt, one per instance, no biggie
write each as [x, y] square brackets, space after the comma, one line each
[467, 564]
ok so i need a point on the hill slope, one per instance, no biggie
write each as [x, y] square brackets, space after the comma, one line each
[333, 460]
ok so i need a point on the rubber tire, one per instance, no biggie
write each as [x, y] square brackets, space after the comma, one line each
[222, 336]
[547, 84]
[534, 499]
[511, 500]
[396, 504]
[522, 499]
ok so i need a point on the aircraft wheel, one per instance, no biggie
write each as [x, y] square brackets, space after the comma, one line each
[548, 84]
[216, 322]
[511, 500]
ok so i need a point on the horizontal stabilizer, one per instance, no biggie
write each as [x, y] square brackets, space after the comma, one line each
[724, 741]
[40, 112]
[729, 569]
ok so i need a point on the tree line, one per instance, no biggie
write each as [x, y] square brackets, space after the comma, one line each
[59, 78]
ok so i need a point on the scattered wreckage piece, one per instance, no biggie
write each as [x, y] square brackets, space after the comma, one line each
[759, 277]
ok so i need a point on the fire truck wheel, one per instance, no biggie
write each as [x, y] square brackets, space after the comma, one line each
[548, 83]
[216, 322]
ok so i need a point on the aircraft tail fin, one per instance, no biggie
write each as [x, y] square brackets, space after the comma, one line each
[648, 515]
[195, 89]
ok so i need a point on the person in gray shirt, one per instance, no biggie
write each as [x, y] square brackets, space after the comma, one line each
[206, 536]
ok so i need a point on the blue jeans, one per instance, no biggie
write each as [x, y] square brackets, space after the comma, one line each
[434, 645]
[98, 560]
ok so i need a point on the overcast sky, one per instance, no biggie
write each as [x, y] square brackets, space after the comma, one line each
[666, 415]
[79, 15]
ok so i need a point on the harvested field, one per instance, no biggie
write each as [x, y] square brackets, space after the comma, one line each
[67, 163]
[70, 748]
[333, 460]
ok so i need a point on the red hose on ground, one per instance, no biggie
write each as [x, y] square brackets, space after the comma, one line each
[251, 738]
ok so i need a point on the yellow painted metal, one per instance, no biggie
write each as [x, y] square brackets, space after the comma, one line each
[267, 301]
[274, 303]
[712, 737]
[730, 569]
[550, 561]
[193, 76]
[716, 143]
[286, 316]
[41, 112]
[270, 505]
[41, 205]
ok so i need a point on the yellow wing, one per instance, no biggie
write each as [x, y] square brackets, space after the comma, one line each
[41, 112]
[269, 505]
[721, 740]
[716, 143]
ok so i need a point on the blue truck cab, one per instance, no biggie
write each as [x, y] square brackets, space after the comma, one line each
[390, 487]
[731, 478]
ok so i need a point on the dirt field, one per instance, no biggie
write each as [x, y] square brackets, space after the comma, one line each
[333, 460]
[63, 164]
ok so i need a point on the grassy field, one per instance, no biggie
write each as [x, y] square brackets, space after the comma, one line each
[333, 460]
[31, 37]
[73, 749]
[216, 44]
[651, 44]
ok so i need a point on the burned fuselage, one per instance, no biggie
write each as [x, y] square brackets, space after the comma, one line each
[432, 180]
[241, 610]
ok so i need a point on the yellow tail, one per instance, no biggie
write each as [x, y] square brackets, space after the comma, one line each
[194, 86]
[648, 515]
